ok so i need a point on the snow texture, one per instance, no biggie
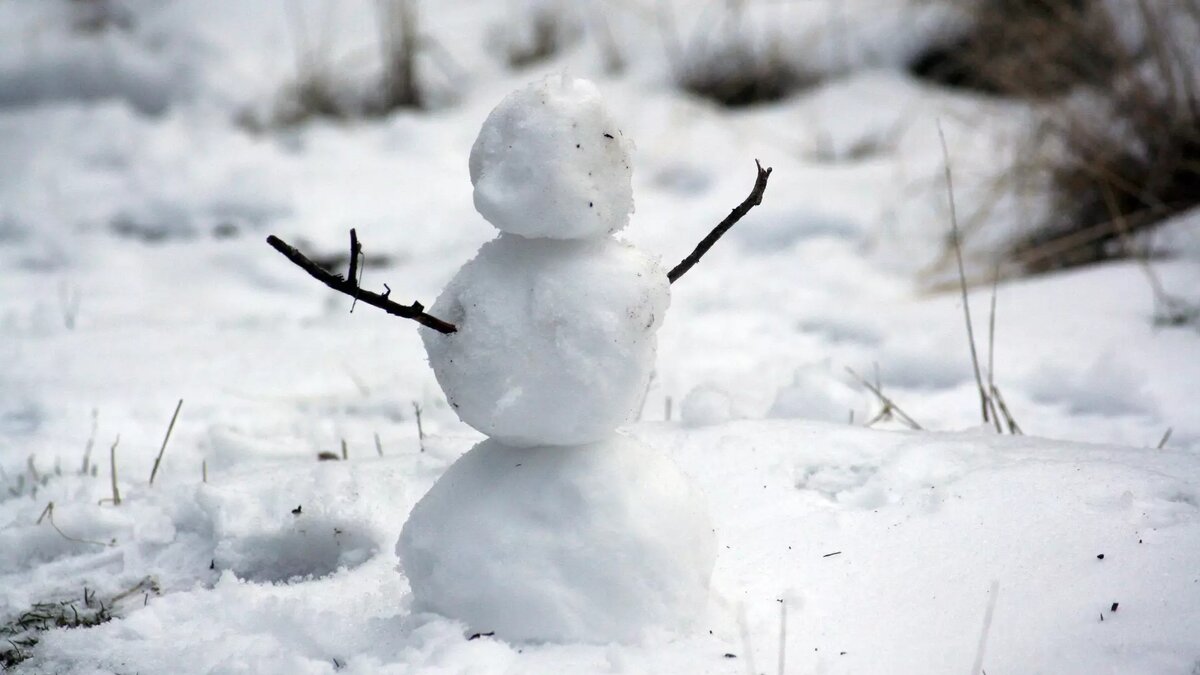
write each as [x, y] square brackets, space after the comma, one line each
[555, 341]
[814, 394]
[592, 543]
[704, 405]
[551, 162]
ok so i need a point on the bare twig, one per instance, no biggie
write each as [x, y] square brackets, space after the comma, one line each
[415, 311]
[755, 198]
[204, 470]
[962, 276]
[889, 404]
[378, 444]
[345, 450]
[161, 450]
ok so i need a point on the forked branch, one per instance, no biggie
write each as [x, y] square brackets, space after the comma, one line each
[755, 198]
[349, 286]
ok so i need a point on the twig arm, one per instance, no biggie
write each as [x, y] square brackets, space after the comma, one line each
[415, 311]
[755, 198]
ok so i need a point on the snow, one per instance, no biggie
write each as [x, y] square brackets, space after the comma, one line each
[704, 405]
[555, 341]
[550, 161]
[134, 274]
[591, 543]
[815, 394]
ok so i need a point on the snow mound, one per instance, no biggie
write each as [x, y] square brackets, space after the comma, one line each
[551, 162]
[593, 543]
[705, 405]
[815, 394]
[556, 339]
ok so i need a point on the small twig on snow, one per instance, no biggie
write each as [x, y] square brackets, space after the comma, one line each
[755, 198]
[415, 311]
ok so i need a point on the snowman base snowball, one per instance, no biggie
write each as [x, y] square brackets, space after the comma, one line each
[593, 543]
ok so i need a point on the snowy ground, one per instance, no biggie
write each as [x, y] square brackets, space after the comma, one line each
[133, 208]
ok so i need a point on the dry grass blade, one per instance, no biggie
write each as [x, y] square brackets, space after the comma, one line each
[889, 405]
[1166, 437]
[962, 276]
[1013, 427]
[166, 438]
[112, 462]
[48, 516]
[991, 367]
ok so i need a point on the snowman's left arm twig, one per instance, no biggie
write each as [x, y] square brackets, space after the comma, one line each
[755, 198]
[349, 285]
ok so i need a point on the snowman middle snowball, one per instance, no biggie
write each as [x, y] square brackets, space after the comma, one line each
[556, 319]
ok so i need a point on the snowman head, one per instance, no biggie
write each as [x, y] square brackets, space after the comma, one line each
[551, 162]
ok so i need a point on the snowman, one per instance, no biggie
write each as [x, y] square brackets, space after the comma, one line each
[557, 527]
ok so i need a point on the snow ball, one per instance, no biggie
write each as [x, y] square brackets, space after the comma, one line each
[815, 394]
[706, 405]
[551, 162]
[593, 543]
[555, 341]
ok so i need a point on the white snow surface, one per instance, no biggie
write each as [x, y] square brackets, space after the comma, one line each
[556, 338]
[550, 161]
[592, 543]
[133, 204]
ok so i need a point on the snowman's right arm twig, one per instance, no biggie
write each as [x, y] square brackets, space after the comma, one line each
[755, 198]
[349, 286]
